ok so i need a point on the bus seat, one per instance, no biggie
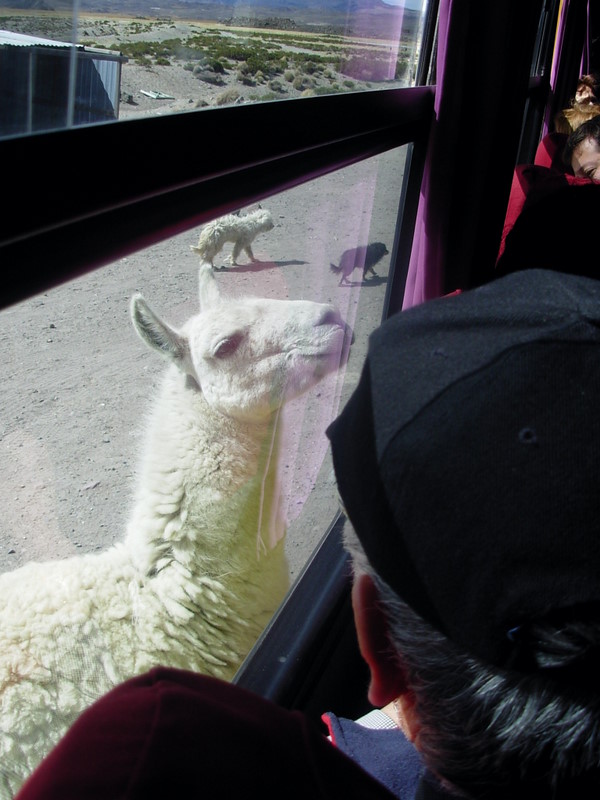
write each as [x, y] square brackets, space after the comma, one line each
[556, 231]
[530, 184]
[549, 152]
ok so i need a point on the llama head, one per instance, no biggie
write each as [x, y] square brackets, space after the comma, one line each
[248, 355]
[265, 219]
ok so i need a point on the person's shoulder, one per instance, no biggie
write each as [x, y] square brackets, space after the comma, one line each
[172, 731]
[381, 748]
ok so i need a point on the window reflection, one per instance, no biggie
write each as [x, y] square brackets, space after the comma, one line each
[60, 70]
[76, 383]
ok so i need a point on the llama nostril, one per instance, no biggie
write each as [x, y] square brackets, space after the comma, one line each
[330, 317]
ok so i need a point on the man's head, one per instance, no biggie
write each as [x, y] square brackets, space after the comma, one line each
[468, 460]
[582, 150]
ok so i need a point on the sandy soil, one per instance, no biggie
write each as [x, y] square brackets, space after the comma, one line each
[77, 381]
[186, 91]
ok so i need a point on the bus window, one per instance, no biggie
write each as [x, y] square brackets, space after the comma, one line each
[71, 448]
[59, 70]
[78, 385]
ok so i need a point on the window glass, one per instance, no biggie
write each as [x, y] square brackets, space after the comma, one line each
[78, 386]
[542, 51]
[59, 69]
[77, 381]
[78, 389]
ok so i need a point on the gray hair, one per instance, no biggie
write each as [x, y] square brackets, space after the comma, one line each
[490, 732]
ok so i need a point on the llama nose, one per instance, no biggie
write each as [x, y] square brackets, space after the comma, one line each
[330, 316]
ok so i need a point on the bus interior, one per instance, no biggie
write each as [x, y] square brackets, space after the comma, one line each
[88, 200]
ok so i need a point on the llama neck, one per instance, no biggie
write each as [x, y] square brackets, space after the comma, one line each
[209, 489]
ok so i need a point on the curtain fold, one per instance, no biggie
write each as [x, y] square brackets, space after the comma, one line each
[483, 66]
[424, 272]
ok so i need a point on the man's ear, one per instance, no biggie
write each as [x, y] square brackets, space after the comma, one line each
[387, 679]
[388, 685]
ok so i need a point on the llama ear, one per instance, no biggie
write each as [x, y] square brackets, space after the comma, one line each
[208, 287]
[158, 335]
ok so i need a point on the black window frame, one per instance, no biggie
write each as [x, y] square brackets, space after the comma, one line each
[56, 228]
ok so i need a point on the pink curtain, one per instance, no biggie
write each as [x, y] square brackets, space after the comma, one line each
[483, 64]
[424, 272]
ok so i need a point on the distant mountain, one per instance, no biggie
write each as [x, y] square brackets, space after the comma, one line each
[358, 17]
[367, 17]
[278, 8]
[283, 8]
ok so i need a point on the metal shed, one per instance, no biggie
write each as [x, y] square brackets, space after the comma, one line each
[45, 84]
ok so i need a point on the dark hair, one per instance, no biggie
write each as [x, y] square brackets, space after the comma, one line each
[587, 130]
[493, 732]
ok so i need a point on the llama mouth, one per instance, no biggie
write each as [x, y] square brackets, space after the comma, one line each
[348, 339]
[346, 344]
[332, 353]
[334, 346]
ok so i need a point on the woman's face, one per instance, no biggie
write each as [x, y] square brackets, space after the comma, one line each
[586, 160]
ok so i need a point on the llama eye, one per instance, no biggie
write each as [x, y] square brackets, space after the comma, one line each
[227, 347]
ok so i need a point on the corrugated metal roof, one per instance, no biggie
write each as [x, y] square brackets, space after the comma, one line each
[35, 73]
[10, 38]
[23, 40]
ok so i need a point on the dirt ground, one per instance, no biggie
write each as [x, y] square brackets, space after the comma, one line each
[77, 382]
[184, 89]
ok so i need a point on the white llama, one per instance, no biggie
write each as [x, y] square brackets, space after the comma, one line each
[194, 583]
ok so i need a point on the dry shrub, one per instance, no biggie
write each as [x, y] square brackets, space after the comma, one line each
[228, 97]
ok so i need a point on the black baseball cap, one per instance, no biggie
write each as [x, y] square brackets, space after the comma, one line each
[468, 457]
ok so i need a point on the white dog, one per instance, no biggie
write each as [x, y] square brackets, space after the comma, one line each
[240, 230]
